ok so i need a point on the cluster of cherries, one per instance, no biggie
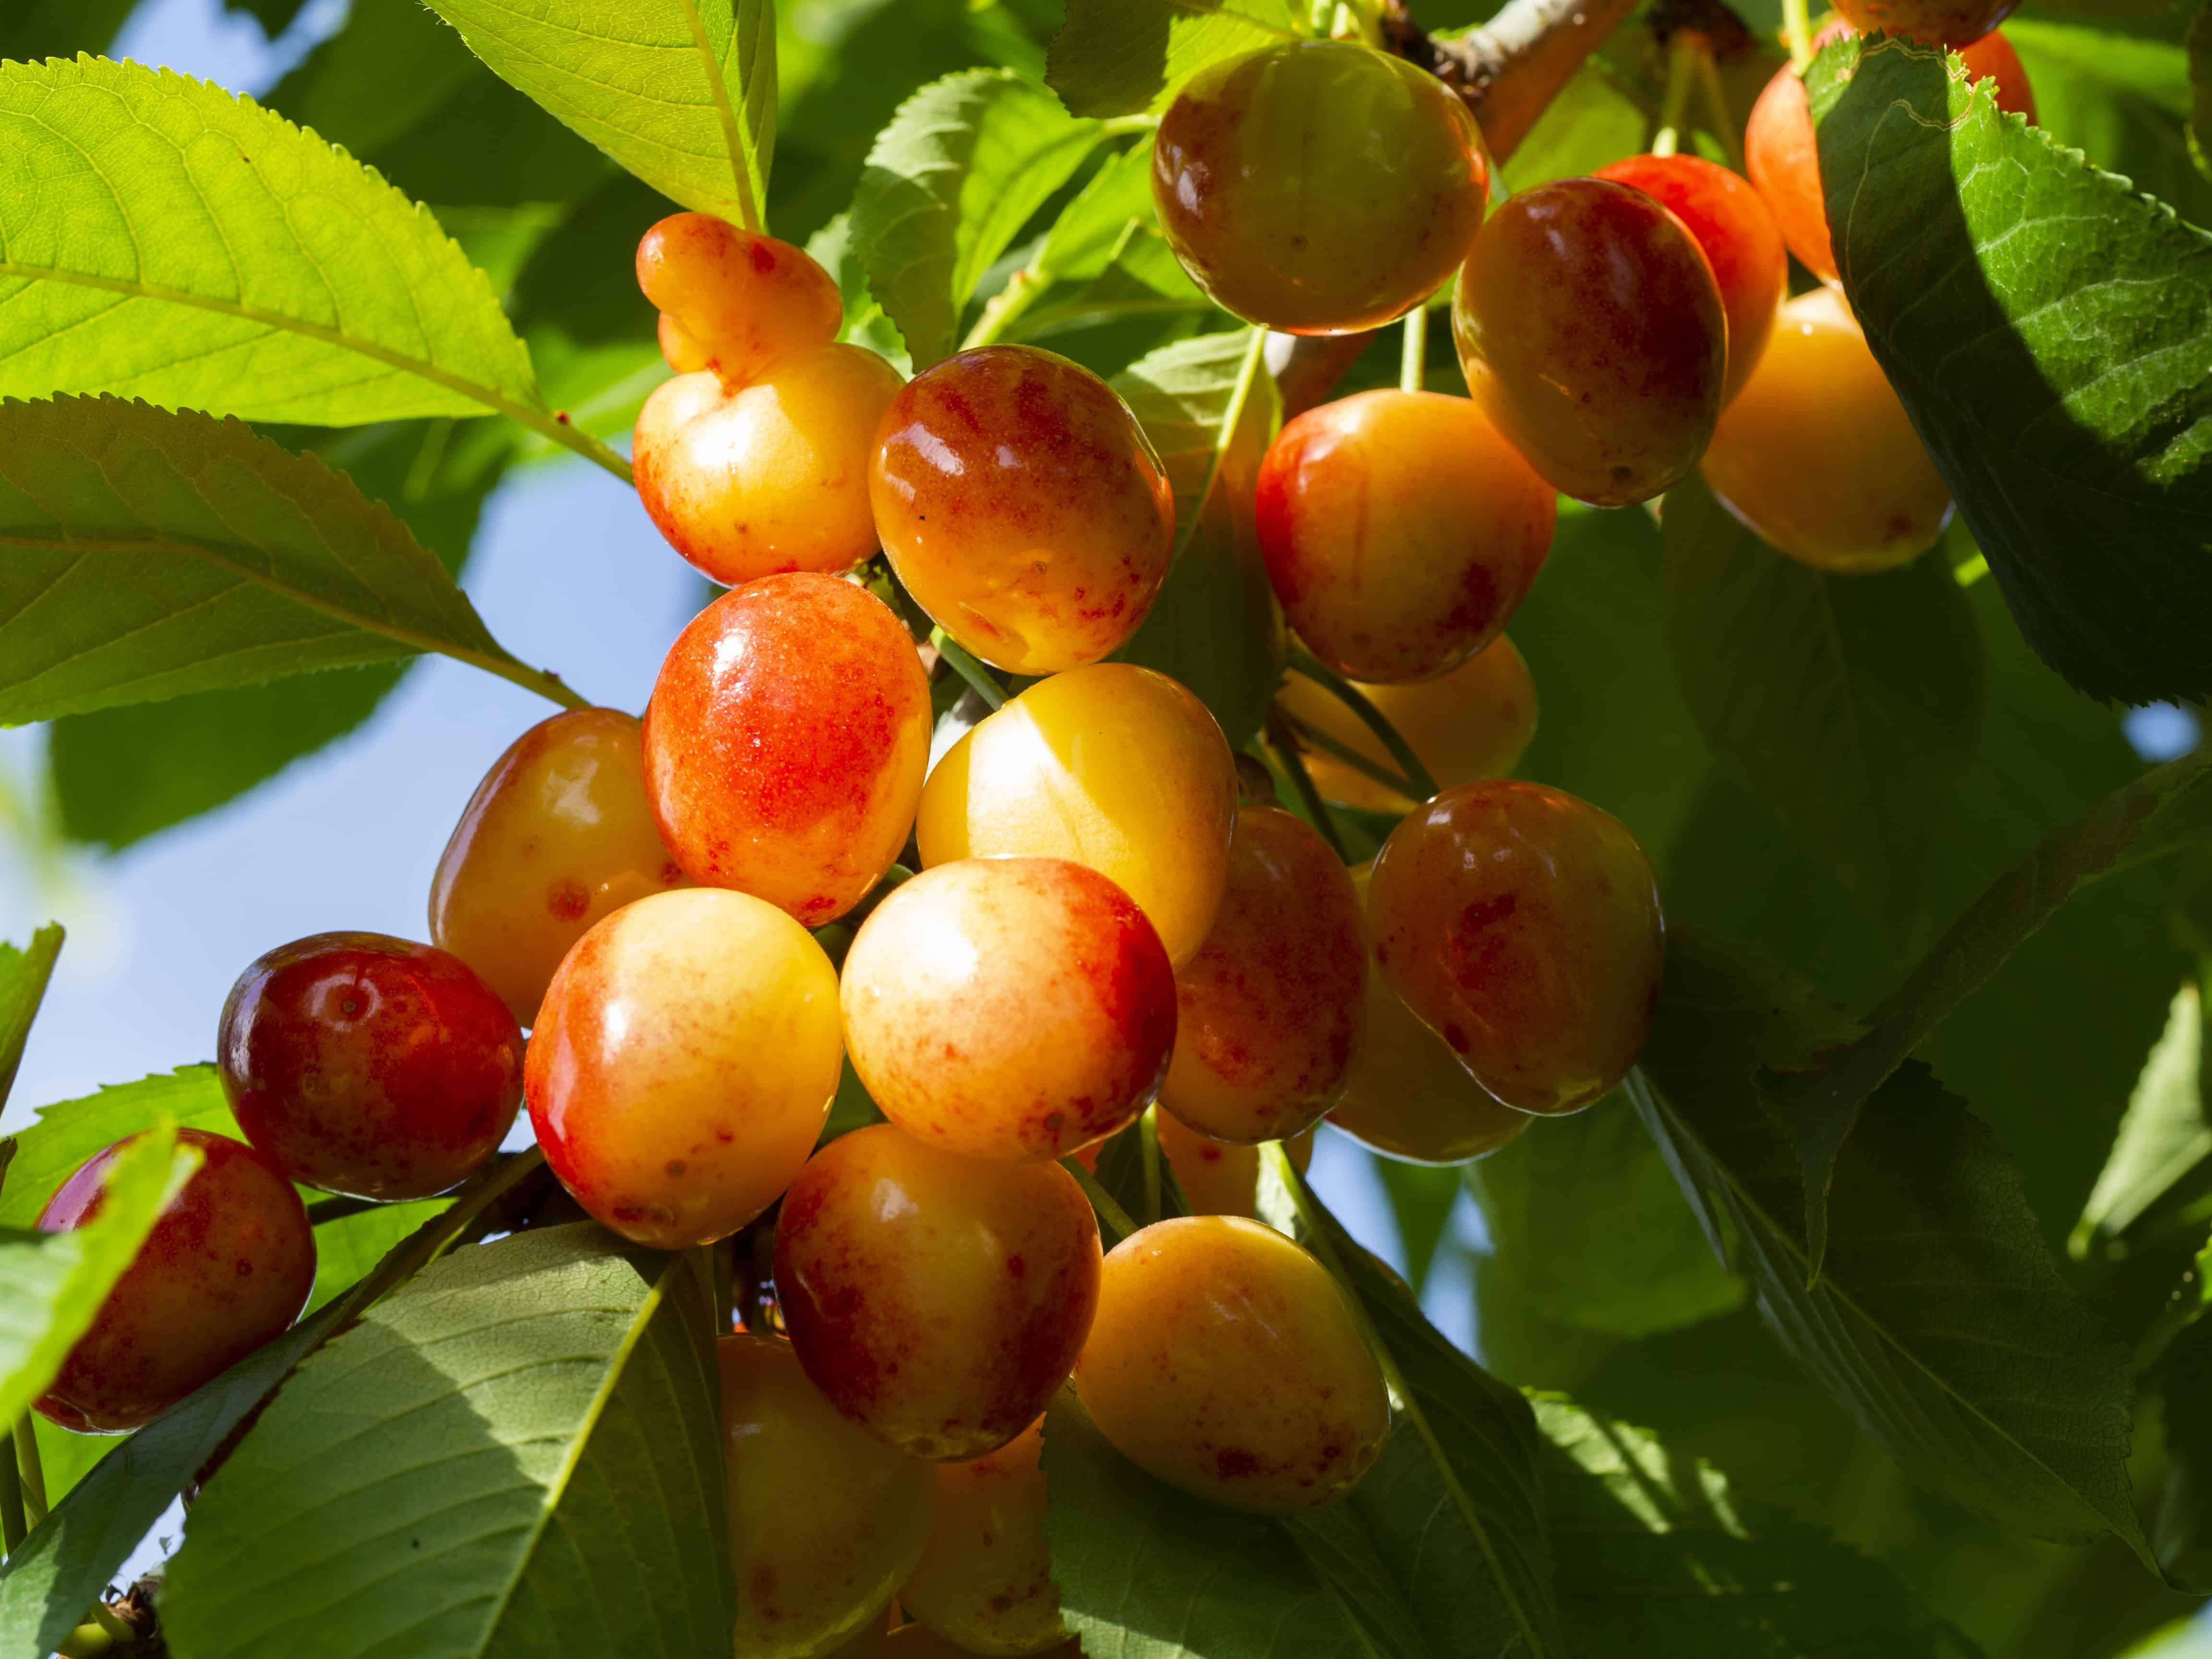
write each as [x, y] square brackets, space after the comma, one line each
[701, 917]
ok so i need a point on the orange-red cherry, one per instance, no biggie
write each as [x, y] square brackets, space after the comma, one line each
[731, 300]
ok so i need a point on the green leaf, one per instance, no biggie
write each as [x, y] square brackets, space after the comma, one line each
[1125, 57]
[23, 977]
[2199, 47]
[166, 241]
[145, 553]
[347, 1249]
[32, 29]
[962, 167]
[1844, 704]
[866, 324]
[50, 1150]
[52, 1284]
[2124, 101]
[518, 1451]
[2163, 1140]
[2181, 1532]
[1214, 626]
[1592, 122]
[1940, 1319]
[2051, 334]
[680, 93]
[1422, 1199]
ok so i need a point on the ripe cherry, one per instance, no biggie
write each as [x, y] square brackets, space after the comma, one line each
[1009, 1007]
[1400, 530]
[1740, 240]
[684, 1064]
[229, 1266]
[1267, 1012]
[985, 1581]
[1522, 926]
[369, 1065]
[733, 301]
[786, 743]
[1023, 508]
[1590, 330]
[1216, 1177]
[939, 1301]
[1474, 722]
[825, 1524]
[1819, 457]
[1112, 766]
[1955, 23]
[1318, 186]
[1223, 1361]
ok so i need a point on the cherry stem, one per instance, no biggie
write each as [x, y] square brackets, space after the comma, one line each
[1414, 360]
[1724, 126]
[13, 1529]
[1681, 80]
[1797, 30]
[981, 680]
[1148, 1141]
[1285, 745]
[33, 1469]
[1314, 737]
[1117, 1220]
[1304, 662]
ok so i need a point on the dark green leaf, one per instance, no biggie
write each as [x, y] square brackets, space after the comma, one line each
[1123, 57]
[348, 1248]
[2183, 1530]
[1422, 1199]
[48, 1152]
[2051, 334]
[2165, 1138]
[23, 977]
[2200, 90]
[32, 29]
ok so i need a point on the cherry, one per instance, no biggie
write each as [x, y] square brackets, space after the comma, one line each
[1009, 1007]
[369, 1065]
[1590, 330]
[1112, 766]
[228, 1267]
[1956, 23]
[558, 835]
[825, 1524]
[1740, 240]
[786, 743]
[1400, 530]
[1318, 186]
[1223, 1361]
[1268, 1012]
[1522, 926]
[939, 1301]
[1022, 506]
[985, 1581]
[1819, 457]
[684, 1064]
[1216, 1177]
[733, 301]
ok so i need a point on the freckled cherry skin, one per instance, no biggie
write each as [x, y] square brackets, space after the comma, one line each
[1955, 23]
[825, 1524]
[1022, 506]
[1400, 530]
[1009, 1008]
[1475, 721]
[1318, 186]
[1224, 1361]
[229, 1266]
[1522, 926]
[939, 1301]
[732, 299]
[1112, 766]
[684, 1063]
[1819, 458]
[1216, 1177]
[1590, 330]
[1739, 239]
[1408, 1095]
[786, 743]
[771, 474]
[558, 835]
[1267, 1012]
[985, 1581]
[1781, 154]
[369, 1065]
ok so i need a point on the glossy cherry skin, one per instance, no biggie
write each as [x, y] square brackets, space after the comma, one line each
[1408, 1095]
[1223, 1361]
[1022, 506]
[1216, 1177]
[1955, 23]
[1474, 722]
[825, 1524]
[733, 301]
[1268, 1012]
[772, 475]
[1113, 766]
[684, 1064]
[1523, 926]
[939, 1301]
[1740, 240]
[1009, 1007]
[558, 835]
[786, 743]
[1400, 530]
[228, 1267]
[1318, 186]
[985, 1581]
[1590, 330]
[1781, 154]
[369, 1065]
[1819, 457]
